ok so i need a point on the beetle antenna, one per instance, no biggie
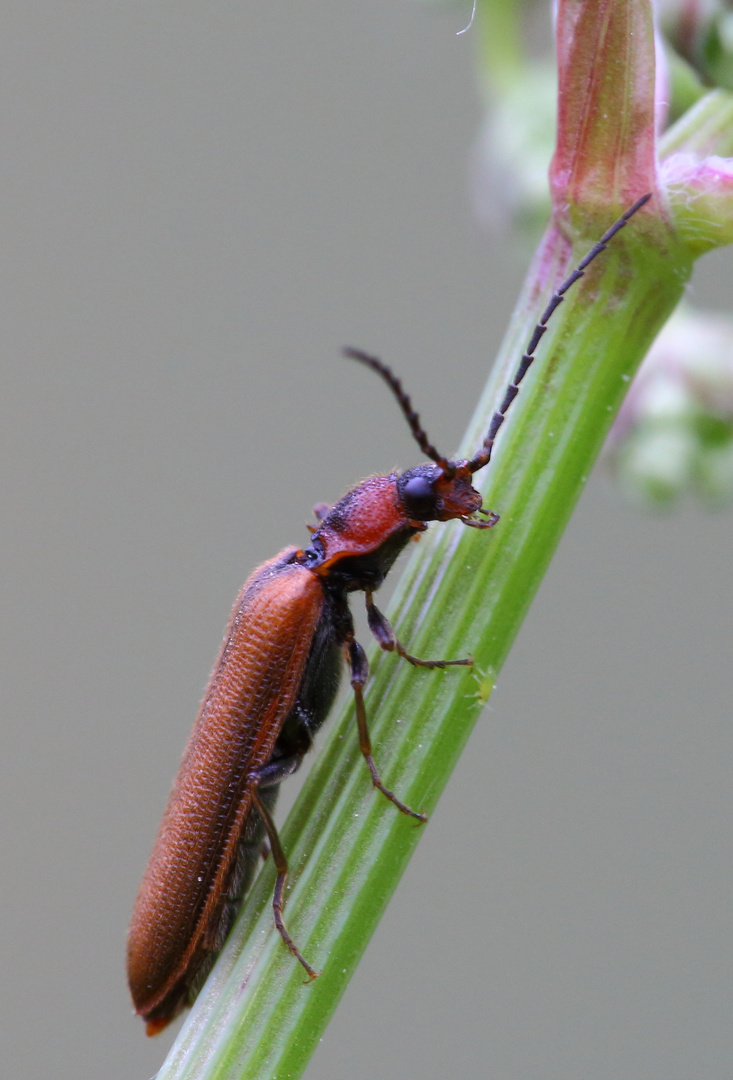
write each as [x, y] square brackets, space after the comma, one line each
[483, 457]
[405, 404]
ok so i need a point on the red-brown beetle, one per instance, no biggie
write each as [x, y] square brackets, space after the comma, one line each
[271, 689]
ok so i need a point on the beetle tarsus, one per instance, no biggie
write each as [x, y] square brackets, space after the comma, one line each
[402, 807]
[417, 662]
[277, 908]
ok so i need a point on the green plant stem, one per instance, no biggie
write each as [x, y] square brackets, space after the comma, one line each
[464, 592]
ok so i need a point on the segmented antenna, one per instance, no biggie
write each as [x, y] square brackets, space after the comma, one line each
[405, 404]
[483, 457]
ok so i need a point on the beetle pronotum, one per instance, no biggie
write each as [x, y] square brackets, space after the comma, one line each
[271, 688]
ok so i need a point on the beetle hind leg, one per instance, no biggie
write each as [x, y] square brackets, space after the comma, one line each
[262, 779]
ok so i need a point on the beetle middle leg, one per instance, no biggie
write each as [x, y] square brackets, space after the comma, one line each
[269, 774]
[387, 640]
[359, 672]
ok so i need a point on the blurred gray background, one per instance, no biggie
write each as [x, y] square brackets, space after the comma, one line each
[199, 204]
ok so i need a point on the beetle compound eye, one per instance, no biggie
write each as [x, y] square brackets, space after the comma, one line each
[419, 497]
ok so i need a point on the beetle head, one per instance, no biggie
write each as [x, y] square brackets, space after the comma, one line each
[440, 492]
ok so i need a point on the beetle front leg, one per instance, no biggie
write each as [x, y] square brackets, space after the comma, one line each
[359, 667]
[385, 635]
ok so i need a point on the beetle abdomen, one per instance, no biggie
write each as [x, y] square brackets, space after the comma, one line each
[252, 689]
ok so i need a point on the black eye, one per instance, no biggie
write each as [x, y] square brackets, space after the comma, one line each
[419, 498]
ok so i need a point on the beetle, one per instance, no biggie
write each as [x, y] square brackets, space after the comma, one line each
[272, 686]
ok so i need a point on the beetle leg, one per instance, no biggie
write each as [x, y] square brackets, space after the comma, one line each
[270, 776]
[281, 865]
[359, 671]
[276, 770]
[385, 635]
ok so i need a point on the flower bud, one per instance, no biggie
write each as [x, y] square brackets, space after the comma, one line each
[675, 430]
